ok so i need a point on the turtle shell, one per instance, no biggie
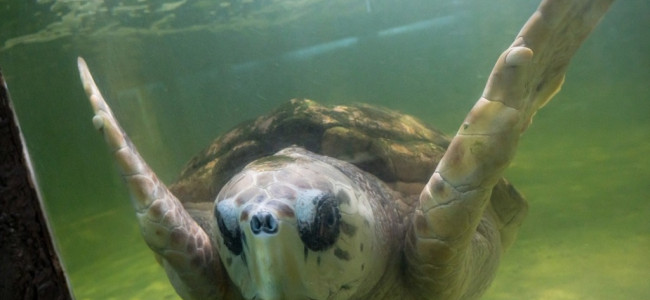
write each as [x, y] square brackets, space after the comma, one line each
[399, 149]
[396, 148]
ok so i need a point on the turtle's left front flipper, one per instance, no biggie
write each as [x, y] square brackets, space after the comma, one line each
[183, 247]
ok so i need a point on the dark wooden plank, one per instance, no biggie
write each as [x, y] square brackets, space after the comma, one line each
[29, 265]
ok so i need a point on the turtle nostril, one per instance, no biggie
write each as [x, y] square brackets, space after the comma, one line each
[256, 224]
[264, 222]
[271, 224]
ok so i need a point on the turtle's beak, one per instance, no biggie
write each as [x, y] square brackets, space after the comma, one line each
[275, 258]
[273, 269]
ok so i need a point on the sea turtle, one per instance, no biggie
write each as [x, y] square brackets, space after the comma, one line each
[353, 202]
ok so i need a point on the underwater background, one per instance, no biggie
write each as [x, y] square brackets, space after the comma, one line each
[179, 73]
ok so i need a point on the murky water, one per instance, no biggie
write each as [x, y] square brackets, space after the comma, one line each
[179, 73]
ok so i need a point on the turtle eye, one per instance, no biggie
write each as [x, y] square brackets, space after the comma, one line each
[228, 226]
[318, 225]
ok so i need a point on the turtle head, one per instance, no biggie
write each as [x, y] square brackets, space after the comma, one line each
[293, 227]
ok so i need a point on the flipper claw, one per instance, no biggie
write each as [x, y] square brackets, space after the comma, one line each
[519, 56]
[98, 122]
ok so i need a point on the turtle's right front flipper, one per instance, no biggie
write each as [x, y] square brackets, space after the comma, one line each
[183, 247]
[454, 242]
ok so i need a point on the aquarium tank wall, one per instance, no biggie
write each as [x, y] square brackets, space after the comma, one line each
[178, 73]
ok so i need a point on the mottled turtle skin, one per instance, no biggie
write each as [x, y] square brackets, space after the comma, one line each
[353, 202]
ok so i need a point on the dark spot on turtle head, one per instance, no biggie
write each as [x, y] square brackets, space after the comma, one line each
[251, 194]
[245, 213]
[318, 260]
[348, 229]
[361, 247]
[282, 209]
[342, 254]
[363, 266]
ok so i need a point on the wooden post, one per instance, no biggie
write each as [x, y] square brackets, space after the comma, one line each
[29, 264]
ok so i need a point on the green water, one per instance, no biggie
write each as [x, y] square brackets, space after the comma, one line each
[179, 73]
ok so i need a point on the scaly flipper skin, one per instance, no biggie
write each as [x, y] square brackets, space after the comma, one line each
[181, 245]
[446, 247]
